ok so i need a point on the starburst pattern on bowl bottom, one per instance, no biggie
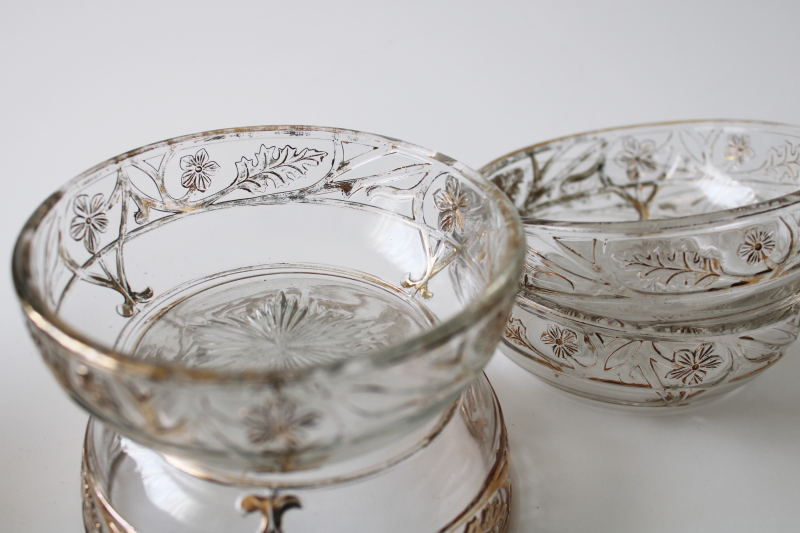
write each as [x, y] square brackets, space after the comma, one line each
[273, 319]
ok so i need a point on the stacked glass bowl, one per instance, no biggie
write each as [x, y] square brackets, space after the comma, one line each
[663, 261]
[280, 318]
[281, 329]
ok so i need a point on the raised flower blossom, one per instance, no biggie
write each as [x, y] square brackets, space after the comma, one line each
[198, 170]
[691, 366]
[738, 149]
[453, 204]
[90, 219]
[562, 341]
[636, 157]
[757, 245]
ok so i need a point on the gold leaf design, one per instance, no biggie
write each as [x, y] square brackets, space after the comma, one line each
[676, 267]
[784, 161]
[275, 167]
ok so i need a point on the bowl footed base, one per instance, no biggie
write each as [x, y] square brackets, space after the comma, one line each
[457, 482]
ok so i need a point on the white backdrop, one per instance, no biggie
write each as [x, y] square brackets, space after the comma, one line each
[83, 81]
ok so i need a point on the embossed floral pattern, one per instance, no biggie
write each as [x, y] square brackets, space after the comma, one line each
[454, 203]
[280, 422]
[90, 219]
[198, 170]
[562, 341]
[738, 149]
[693, 365]
[272, 167]
[757, 246]
[636, 157]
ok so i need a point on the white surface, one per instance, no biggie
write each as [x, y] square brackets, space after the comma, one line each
[84, 81]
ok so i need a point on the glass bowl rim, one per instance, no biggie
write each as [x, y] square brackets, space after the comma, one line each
[100, 355]
[661, 225]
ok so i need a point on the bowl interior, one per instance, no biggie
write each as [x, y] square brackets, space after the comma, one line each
[273, 299]
[267, 250]
[651, 172]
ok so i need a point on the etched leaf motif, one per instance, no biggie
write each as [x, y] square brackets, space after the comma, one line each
[516, 332]
[622, 354]
[510, 182]
[274, 167]
[785, 161]
[675, 267]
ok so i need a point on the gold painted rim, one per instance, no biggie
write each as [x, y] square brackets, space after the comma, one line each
[105, 357]
[663, 225]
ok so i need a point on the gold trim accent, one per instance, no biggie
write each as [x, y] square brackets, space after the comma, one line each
[94, 353]
[271, 508]
[489, 511]
[98, 514]
[657, 226]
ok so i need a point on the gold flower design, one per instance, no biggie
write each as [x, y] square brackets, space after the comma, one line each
[90, 219]
[636, 157]
[757, 245]
[738, 149]
[562, 341]
[198, 170]
[453, 204]
[691, 366]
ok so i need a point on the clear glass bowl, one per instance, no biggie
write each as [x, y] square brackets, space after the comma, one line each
[662, 259]
[272, 299]
[456, 482]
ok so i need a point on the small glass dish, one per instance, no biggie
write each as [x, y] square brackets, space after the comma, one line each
[456, 481]
[662, 262]
[269, 301]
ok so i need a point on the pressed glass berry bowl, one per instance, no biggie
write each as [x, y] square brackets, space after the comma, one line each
[270, 300]
[662, 261]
